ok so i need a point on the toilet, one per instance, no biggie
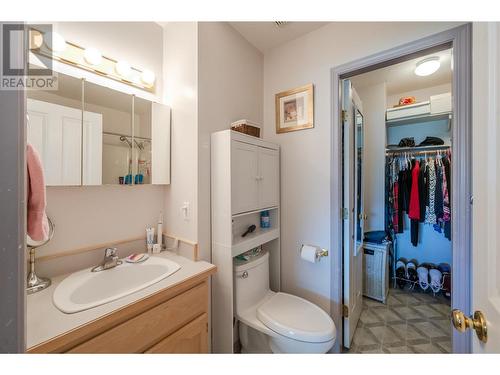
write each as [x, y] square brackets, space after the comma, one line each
[271, 322]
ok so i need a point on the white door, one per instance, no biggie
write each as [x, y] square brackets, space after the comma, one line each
[352, 210]
[486, 184]
[268, 177]
[245, 177]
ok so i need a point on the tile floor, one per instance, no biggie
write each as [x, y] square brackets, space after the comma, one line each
[410, 322]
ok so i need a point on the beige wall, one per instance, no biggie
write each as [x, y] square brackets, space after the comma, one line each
[305, 155]
[180, 66]
[230, 89]
[87, 216]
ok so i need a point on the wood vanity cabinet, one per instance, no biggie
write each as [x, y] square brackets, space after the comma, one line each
[174, 320]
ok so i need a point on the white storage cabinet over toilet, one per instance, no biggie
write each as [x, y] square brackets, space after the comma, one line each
[244, 182]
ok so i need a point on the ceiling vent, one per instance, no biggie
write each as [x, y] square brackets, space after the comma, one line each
[280, 24]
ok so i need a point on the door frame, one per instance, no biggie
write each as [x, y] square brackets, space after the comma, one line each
[13, 206]
[460, 39]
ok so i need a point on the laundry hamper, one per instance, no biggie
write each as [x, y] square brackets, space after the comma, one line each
[376, 270]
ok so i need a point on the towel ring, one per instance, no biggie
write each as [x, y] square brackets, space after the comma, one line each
[35, 283]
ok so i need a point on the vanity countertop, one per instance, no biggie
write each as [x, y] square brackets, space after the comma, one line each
[45, 321]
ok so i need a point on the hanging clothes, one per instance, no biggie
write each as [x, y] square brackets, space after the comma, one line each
[438, 197]
[396, 220]
[421, 188]
[430, 213]
[414, 212]
[447, 224]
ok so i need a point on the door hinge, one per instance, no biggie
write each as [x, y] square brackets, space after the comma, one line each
[345, 311]
[345, 213]
[345, 115]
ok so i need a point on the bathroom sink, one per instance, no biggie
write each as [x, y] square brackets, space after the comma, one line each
[85, 289]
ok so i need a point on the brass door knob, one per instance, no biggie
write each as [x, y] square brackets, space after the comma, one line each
[477, 322]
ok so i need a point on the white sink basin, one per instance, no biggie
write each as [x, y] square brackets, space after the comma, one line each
[85, 289]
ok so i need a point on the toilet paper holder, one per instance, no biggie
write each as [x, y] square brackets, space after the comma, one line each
[320, 252]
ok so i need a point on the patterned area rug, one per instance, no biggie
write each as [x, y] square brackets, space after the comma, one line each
[410, 322]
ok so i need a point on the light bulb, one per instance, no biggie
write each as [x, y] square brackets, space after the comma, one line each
[148, 77]
[427, 66]
[123, 69]
[55, 41]
[92, 56]
[36, 39]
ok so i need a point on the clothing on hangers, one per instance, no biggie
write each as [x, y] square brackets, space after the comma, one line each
[420, 186]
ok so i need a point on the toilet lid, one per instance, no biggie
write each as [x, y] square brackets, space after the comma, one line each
[296, 318]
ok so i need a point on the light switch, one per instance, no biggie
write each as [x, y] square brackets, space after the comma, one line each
[185, 211]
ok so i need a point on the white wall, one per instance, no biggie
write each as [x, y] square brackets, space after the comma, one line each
[139, 43]
[230, 88]
[305, 155]
[180, 69]
[374, 105]
[87, 216]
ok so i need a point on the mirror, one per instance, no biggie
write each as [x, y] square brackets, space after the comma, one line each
[359, 134]
[55, 130]
[107, 153]
[142, 147]
[89, 134]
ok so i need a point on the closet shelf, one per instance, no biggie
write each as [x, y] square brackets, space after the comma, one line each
[418, 119]
[416, 148]
[252, 240]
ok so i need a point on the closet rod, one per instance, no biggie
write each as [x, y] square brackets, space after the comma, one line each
[414, 150]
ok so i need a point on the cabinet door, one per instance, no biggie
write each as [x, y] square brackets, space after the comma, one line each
[190, 339]
[245, 177]
[268, 178]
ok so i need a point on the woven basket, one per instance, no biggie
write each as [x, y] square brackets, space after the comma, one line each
[246, 127]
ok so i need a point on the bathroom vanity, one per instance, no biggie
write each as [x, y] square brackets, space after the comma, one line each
[170, 316]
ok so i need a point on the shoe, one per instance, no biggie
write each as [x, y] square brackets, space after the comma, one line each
[411, 270]
[401, 272]
[423, 277]
[436, 280]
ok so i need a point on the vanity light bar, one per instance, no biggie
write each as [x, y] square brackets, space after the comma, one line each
[89, 59]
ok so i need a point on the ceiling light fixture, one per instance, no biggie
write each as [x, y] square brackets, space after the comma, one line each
[92, 56]
[427, 66]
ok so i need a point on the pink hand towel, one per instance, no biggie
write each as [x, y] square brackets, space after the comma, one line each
[38, 225]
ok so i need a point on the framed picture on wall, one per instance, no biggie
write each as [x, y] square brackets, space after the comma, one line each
[295, 109]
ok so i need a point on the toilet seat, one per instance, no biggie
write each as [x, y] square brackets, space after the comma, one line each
[296, 318]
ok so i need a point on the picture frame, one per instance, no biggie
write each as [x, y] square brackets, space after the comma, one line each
[295, 109]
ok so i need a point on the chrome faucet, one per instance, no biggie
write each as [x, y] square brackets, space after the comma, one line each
[110, 260]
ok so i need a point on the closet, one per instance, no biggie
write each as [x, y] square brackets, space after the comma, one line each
[418, 193]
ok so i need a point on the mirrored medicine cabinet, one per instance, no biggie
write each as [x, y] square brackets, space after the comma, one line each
[87, 134]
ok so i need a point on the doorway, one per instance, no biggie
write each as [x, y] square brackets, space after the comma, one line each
[455, 149]
[397, 271]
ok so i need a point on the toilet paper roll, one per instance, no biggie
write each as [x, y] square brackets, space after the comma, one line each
[308, 253]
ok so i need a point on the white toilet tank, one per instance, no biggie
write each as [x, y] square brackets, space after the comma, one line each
[251, 280]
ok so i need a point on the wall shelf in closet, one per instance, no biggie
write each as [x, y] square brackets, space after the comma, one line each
[419, 119]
